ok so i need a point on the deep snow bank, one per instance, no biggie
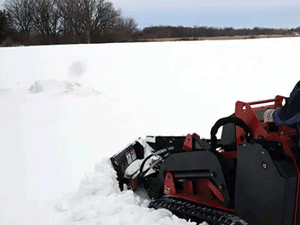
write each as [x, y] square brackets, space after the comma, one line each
[40, 158]
[52, 134]
[98, 200]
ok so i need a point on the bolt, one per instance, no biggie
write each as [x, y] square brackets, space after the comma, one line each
[264, 165]
[261, 137]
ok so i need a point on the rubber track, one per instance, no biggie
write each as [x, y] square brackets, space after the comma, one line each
[196, 212]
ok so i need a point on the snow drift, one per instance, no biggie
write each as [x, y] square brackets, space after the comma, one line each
[61, 87]
[99, 200]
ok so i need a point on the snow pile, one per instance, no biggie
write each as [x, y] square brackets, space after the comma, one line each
[61, 87]
[99, 201]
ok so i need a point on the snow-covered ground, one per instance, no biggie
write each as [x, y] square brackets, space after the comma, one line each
[66, 109]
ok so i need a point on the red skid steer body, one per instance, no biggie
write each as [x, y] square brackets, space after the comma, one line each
[249, 176]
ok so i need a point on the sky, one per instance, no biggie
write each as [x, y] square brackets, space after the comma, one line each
[215, 13]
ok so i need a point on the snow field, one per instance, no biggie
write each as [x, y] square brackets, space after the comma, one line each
[66, 108]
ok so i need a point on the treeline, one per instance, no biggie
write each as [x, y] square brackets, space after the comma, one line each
[180, 31]
[36, 22]
[30, 22]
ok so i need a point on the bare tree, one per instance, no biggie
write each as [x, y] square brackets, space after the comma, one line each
[46, 18]
[89, 11]
[74, 20]
[126, 29]
[100, 16]
[105, 16]
[71, 16]
[4, 25]
[55, 20]
[21, 13]
[128, 24]
[87, 17]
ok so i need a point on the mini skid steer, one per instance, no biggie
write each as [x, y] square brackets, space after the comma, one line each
[249, 176]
